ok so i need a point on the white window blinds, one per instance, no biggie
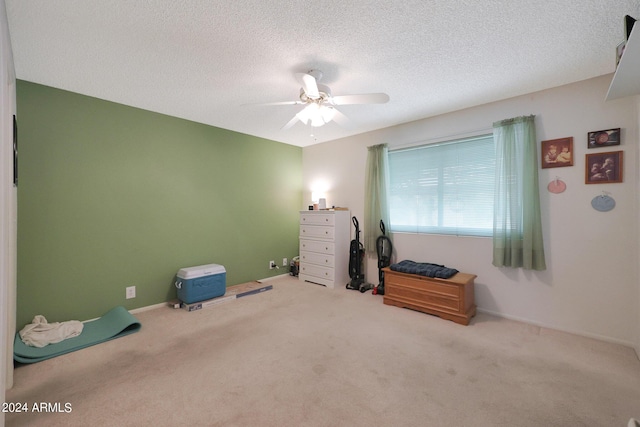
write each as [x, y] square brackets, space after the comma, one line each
[444, 188]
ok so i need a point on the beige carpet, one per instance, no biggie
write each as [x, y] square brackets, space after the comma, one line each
[305, 355]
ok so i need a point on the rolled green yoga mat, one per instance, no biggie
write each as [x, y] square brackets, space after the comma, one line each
[116, 323]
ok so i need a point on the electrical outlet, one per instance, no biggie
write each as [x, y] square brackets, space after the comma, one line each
[284, 262]
[131, 292]
[272, 265]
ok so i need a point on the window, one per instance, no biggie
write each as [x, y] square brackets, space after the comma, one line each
[443, 188]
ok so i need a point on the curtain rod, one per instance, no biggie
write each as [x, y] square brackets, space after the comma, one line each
[444, 139]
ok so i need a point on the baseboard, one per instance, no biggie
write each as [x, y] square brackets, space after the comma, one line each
[148, 307]
[569, 331]
[267, 279]
[136, 310]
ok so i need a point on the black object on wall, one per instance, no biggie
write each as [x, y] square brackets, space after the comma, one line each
[15, 151]
[628, 25]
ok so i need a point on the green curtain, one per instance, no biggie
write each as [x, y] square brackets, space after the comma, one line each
[376, 207]
[517, 227]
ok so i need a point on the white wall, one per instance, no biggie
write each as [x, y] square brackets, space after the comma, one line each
[591, 283]
[8, 207]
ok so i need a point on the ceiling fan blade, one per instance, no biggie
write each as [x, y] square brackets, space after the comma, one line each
[290, 124]
[367, 98]
[283, 103]
[275, 103]
[309, 84]
[342, 120]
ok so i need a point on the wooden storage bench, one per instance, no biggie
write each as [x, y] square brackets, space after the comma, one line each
[451, 299]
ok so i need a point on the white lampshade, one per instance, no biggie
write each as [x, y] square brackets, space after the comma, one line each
[307, 112]
[316, 114]
[317, 121]
[328, 113]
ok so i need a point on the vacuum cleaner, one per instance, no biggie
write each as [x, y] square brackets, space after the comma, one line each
[384, 248]
[356, 255]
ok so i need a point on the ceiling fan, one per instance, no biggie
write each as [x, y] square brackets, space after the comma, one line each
[320, 105]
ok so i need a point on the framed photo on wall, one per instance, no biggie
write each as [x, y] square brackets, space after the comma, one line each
[557, 152]
[603, 138]
[603, 168]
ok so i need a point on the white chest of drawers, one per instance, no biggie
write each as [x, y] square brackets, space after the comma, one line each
[324, 247]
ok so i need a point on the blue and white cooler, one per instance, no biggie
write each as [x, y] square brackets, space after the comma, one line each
[201, 283]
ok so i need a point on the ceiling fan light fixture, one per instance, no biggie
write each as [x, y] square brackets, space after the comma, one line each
[317, 121]
[316, 114]
[328, 113]
[307, 113]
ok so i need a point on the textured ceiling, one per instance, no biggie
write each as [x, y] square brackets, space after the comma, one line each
[208, 61]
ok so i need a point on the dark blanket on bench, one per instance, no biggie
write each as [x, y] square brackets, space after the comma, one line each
[424, 269]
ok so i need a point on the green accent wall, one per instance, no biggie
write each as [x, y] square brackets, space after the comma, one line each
[111, 196]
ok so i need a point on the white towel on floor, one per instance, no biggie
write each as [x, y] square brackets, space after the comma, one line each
[40, 333]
